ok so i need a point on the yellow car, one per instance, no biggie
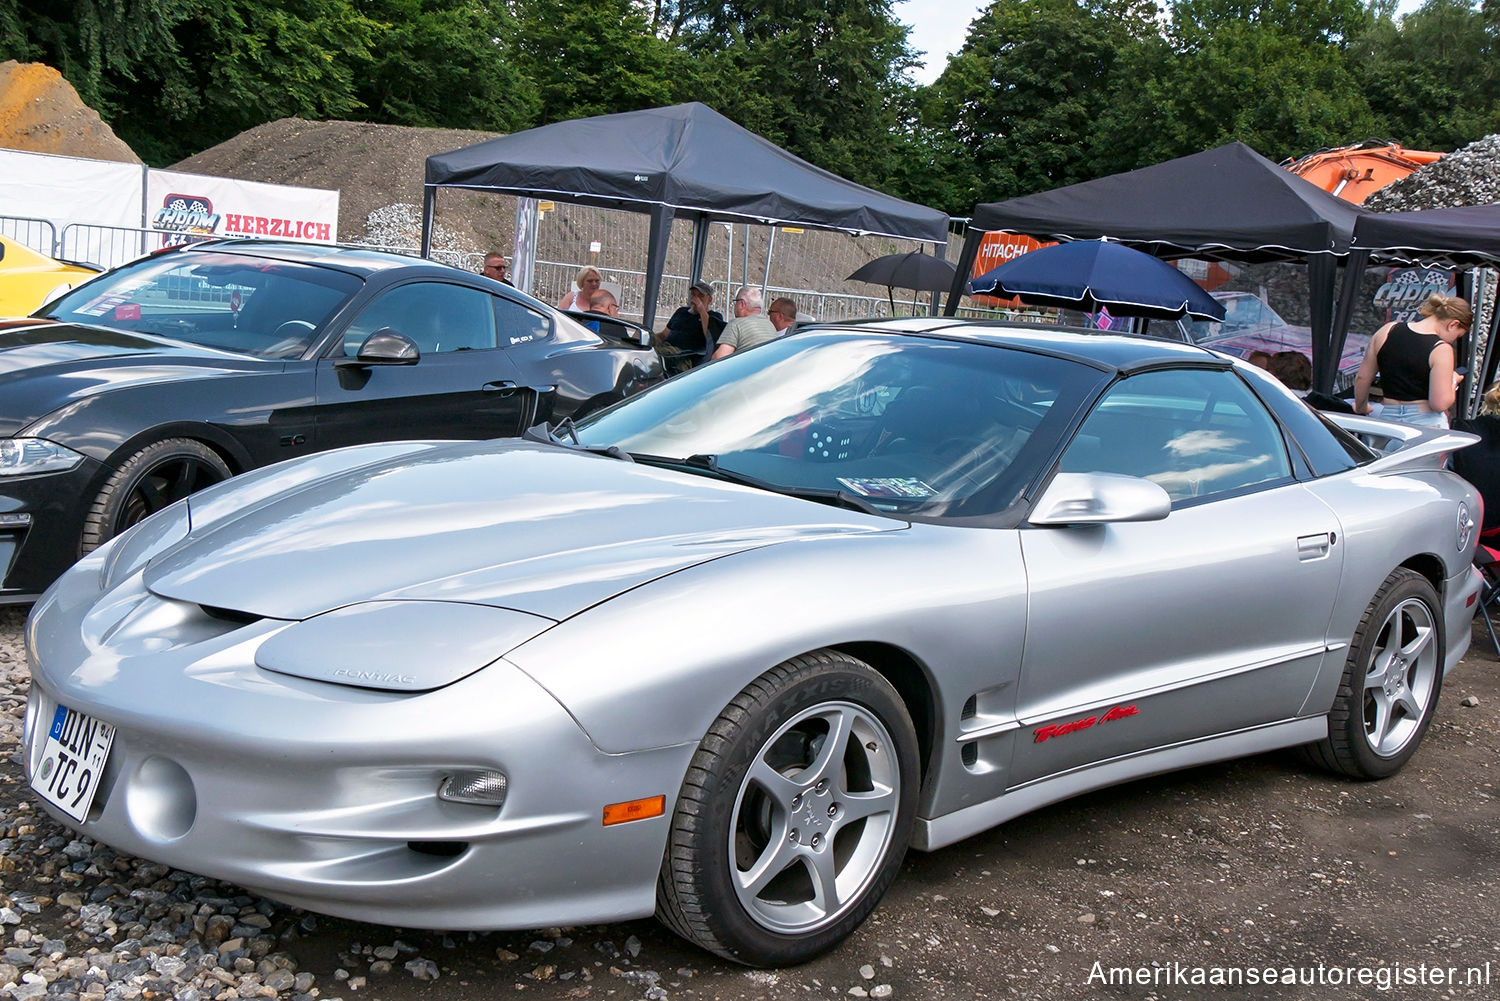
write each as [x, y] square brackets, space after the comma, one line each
[28, 279]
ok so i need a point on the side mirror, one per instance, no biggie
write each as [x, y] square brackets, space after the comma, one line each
[383, 347]
[1100, 499]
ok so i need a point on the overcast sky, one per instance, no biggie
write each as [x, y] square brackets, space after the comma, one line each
[938, 28]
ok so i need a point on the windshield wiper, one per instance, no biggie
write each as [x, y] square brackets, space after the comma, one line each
[838, 498]
[546, 434]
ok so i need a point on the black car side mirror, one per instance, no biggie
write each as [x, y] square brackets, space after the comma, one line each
[383, 347]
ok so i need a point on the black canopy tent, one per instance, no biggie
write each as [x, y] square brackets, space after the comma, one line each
[1228, 203]
[1463, 237]
[686, 160]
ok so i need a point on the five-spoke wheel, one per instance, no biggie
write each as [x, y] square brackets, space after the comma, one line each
[814, 817]
[794, 815]
[1391, 681]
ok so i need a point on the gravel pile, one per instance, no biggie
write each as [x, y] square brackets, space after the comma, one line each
[1469, 175]
[399, 227]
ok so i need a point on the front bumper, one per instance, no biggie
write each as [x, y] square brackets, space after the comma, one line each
[32, 556]
[324, 796]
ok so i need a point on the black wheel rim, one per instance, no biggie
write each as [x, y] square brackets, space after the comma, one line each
[165, 482]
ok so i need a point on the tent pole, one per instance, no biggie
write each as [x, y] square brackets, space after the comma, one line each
[965, 265]
[1491, 356]
[1466, 397]
[765, 277]
[700, 246]
[940, 251]
[1354, 272]
[429, 209]
[1321, 272]
[656, 260]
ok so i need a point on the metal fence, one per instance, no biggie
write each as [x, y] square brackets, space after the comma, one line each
[810, 267]
[38, 234]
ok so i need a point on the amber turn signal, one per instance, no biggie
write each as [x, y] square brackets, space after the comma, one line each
[636, 809]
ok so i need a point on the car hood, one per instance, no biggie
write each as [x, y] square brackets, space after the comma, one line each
[45, 365]
[534, 528]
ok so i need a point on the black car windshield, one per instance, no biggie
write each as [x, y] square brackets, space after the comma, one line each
[249, 305]
[907, 426]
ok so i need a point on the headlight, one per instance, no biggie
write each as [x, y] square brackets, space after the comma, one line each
[22, 456]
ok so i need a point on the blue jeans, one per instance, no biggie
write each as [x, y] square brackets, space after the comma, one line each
[1412, 413]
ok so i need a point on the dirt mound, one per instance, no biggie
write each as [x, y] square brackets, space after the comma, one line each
[40, 112]
[372, 166]
[1467, 176]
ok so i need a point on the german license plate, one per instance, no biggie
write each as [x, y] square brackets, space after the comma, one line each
[72, 761]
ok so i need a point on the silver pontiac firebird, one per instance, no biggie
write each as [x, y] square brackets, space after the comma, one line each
[724, 651]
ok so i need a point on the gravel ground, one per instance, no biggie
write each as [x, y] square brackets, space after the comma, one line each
[1252, 864]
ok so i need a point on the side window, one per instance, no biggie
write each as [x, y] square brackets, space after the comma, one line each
[438, 317]
[1196, 433]
[520, 325]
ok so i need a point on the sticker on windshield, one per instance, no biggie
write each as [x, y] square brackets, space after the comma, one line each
[889, 487]
[106, 303]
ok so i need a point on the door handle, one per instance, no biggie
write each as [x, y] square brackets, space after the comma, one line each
[502, 386]
[1314, 547]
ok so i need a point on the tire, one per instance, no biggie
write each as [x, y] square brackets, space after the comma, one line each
[1391, 682]
[159, 474]
[766, 823]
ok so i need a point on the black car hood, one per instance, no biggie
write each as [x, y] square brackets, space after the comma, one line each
[45, 365]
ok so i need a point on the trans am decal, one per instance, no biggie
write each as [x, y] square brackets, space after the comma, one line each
[1051, 730]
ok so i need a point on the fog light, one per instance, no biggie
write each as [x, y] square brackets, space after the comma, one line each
[480, 787]
[15, 520]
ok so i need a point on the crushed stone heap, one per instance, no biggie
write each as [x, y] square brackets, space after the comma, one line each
[1469, 175]
[40, 112]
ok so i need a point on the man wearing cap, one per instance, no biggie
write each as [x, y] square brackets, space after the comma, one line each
[695, 326]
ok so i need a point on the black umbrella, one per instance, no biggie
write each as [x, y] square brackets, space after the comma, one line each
[1087, 274]
[914, 270]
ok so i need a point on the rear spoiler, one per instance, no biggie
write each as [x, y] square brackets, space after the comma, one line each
[1403, 447]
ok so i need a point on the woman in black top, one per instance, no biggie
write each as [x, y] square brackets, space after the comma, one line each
[1415, 361]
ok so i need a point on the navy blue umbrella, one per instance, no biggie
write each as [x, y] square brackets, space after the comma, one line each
[1088, 274]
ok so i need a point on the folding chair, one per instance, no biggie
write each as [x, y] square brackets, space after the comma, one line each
[1487, 561]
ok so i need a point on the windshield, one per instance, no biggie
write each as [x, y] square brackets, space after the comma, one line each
[1243, 314]
[249, 305]
[901, 425]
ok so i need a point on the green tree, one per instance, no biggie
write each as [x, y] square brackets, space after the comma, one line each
[1277, 75]
[174, 76]
[1019, 107]
[826, 80]
[592, 57]
[450, 63]
[1432, 80]
[99, 46]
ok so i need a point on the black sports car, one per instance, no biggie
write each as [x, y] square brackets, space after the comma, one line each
[180, 369]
